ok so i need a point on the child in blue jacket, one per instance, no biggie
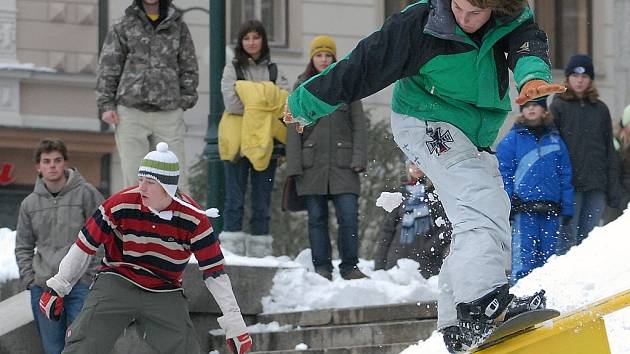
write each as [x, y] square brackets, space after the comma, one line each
[536, 170]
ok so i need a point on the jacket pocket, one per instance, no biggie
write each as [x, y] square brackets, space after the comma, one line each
[459, 157]
[344, 154]
[308, 155]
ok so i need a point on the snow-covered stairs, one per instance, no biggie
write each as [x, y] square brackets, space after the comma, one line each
[363, 330]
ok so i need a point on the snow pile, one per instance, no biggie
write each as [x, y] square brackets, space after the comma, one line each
[269, 261]
[389, 201]
[595, 270]
[301, 289]
[8, 266]
[258, 328]
[301, 346]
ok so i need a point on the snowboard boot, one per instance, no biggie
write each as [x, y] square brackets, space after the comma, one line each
[519, 305]
[233, 241]
[477, 319]
[452, 339]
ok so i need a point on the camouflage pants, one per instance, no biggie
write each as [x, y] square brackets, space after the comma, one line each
[138, 132]
[161, 319]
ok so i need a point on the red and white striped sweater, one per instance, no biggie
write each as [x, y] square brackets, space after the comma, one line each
[146, 249]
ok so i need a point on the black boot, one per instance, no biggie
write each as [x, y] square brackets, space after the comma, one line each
[519, 305]
[477, 319]
[452, 339]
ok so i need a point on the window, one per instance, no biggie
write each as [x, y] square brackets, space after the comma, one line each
[272, 13]
[569, 26]
[394, 6]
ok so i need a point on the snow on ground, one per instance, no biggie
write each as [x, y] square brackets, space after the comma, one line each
[8, 266]
[25, 66]
[300, 289]
[598, 268]
[258, 328]
[595, 270]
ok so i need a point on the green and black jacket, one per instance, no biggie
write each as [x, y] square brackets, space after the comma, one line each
[441, 74]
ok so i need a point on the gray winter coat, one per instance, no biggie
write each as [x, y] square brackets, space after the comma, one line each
[253, 72]
[145, 67]
[326, 154]
[48, 226]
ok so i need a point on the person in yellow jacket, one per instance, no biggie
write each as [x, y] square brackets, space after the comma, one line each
[251, 63]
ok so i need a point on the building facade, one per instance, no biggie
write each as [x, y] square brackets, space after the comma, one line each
[49, 52]
[48, 56]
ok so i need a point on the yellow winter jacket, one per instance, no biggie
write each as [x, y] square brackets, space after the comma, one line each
[252, 134]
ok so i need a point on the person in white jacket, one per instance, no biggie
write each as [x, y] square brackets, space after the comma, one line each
[149, 232]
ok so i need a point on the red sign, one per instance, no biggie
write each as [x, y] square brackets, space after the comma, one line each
[6, 174]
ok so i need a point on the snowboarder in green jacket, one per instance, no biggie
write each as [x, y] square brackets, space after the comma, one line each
[449, 60]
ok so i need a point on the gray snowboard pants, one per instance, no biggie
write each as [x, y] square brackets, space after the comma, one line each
[470, 187]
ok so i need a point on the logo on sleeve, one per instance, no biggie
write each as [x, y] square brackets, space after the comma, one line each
[524, 49]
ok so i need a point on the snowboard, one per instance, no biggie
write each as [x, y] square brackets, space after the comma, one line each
[520, 323]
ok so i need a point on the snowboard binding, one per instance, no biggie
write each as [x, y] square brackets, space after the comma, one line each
[477, 319]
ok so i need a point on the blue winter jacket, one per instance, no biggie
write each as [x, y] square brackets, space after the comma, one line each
[536, 170]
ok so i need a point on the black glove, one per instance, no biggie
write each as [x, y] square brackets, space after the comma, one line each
[516, 204]
[566, 220]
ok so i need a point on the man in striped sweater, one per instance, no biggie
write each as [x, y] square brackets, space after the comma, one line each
[149, 232]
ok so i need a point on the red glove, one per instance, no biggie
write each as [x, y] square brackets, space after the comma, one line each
[51, 305]
[537, 88]
[240, 344]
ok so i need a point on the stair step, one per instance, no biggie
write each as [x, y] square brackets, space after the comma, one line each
[368, 349]
[342, 336]
[356, 315]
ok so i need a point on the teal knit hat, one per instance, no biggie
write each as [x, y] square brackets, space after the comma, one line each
[163, 166]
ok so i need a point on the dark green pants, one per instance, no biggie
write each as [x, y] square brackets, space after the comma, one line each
[113, 303]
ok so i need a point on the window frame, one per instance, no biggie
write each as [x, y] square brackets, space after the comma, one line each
[232, 33]
[549, 15]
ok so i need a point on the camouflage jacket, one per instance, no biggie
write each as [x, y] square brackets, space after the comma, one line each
[145, 67]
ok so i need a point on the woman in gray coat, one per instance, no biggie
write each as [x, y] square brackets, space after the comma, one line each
[326, 159]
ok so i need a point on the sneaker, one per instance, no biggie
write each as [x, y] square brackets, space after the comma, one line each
[523, 304]
[353, 273]
[477, 319]
[324, 273]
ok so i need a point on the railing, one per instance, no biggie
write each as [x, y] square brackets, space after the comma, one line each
[580, 332]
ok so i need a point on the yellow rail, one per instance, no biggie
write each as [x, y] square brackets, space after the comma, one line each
[580, 332]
